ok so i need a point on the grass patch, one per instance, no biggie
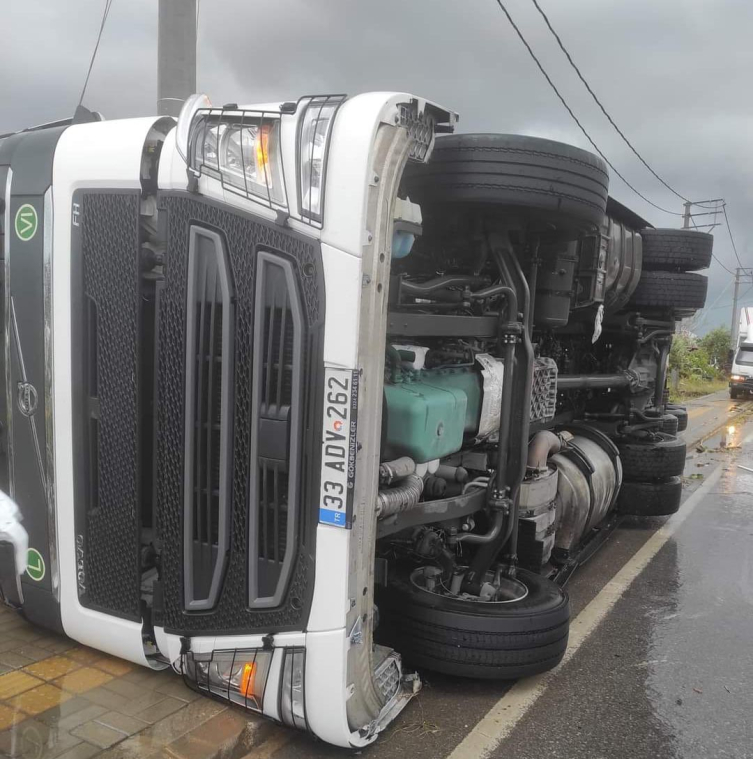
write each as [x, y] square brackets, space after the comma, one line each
[693, 387]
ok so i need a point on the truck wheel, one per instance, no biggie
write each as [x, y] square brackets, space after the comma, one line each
[543, 179]
[474, 638]
[733, 393]
[676, 249]
[682, 416]
[650, 499]
[669, 423]
[682, 291]
[652, 459]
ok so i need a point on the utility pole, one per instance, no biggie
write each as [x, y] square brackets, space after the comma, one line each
[176, 55]
[735, 317]
[686, 216]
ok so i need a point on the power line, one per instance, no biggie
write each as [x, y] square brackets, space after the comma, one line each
[729, 271]
[108, 5]
[731, 238]
[574, 117]
[601, 106]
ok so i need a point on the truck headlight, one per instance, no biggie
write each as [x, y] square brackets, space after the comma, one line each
[242, 150]
[238, 676]
[737, 378]
[314, 135]
[292, 695]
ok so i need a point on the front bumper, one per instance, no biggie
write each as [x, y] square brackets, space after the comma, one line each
[14, 546]
[744, 385]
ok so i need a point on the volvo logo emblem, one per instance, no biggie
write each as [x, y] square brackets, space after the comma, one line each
[27, 398]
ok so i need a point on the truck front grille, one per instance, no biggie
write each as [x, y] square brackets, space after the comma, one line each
[250, 568]
[276, 395]
[208, 389]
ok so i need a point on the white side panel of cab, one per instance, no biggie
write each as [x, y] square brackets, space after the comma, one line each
[107, 155]
[342, 284]
[349, 167]
[327, 689]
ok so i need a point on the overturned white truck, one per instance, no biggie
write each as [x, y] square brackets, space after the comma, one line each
[301, 396]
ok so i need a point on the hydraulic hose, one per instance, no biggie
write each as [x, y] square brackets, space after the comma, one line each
[513, 436]
[439, 283]
[491, 536]
[403, 497]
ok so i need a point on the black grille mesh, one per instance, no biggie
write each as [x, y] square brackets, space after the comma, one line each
[110, 246]
[244, 235]
[207, 501]
[276, 376]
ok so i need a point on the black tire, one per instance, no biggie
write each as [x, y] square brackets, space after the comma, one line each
[652, 459]
[682, 416]
[670, 290]
[669, 424]
[650, 499]
[676, 249]
[733, 394]
[539, 178]
[501, 641]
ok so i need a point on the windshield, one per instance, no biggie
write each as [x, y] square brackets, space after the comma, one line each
[744, 356]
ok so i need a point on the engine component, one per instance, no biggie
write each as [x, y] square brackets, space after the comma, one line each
[412, 356]
[542, 446]
[590, 475]
[544, 390]
[554, 289]
[597, 381]
[389, 471]
[400, 498]
[538, 493]
[452, 473]
[428, 412]
[405, 228]
[435, 487]
[425, 418]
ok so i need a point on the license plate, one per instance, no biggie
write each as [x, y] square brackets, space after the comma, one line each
[339, 447]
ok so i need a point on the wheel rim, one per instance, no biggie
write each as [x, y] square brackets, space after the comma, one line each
[507, 590]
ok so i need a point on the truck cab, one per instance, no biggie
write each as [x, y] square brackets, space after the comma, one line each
[302, 399]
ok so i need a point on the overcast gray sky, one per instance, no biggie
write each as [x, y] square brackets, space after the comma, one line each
[675, 75]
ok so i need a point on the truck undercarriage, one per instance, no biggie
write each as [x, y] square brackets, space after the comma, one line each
[289, 438]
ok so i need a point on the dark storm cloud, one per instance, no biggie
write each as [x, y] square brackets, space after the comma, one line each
[674, 74]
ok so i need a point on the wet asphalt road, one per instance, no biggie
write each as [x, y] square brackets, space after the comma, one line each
[669, 671]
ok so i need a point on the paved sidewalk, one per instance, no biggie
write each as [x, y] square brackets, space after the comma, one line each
[60, 700]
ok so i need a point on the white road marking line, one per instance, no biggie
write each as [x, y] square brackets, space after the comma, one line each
[507, 712]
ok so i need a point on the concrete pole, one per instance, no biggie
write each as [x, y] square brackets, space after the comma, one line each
[686, 216]
[735, 315]
[176, 55]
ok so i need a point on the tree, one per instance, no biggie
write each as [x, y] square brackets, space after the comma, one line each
[691, 358]
[716, 344]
